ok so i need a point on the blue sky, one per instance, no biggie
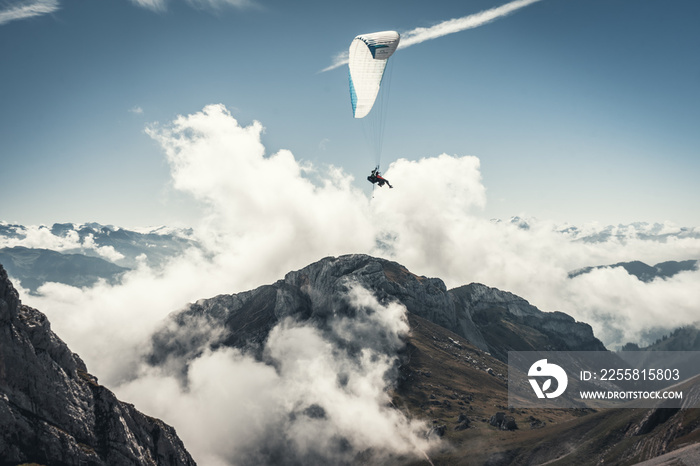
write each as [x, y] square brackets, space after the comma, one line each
[579, 110]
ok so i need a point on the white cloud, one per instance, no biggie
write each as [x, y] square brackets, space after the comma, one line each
[266, 214]
[416, 215]
[219, 4]
[153, 5]
[418, 35]
[267, 206]
[340, 59]
[422, 34]
[108, 252]
[234, 409]
[213, 5]
[137, 110]
[41, 237]
[622, 308]
[109, 325]
[16, 10]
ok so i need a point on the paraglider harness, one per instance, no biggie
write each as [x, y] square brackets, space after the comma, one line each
[376, 178]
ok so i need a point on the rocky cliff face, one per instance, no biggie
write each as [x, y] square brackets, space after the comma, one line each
[491, 319]
[52, 411]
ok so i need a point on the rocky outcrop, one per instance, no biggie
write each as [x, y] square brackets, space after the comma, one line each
[463, 422]
[493, 320]
[52, 411]
[503, 421]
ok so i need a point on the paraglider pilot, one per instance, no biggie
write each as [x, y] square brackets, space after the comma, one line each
[377, 178]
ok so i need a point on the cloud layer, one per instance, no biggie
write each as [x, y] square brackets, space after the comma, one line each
[41, 237]
[313, 401]
[266, 214]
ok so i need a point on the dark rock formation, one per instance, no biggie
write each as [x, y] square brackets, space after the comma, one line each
[536, 423]
[437, 431]
[503, 422]
[653, 419]
[52, 411]
[462, 422]
[493, 320]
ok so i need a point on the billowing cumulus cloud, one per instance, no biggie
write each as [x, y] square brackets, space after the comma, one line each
[436, 195]
[311, 402]
[266, 214]
[264, 211]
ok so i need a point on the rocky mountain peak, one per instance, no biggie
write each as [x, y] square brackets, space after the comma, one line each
[493, 320]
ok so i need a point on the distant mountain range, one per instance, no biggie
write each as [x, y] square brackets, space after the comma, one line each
[126, 248]
[34, 267]
[644, 272]
[639, 230]
[596, 234]
[79, 255]
[36, 254]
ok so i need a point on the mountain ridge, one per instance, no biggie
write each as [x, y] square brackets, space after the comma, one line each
[33, 267]
[442, 376]
[319, 289]
[121, 246]
[644, 272]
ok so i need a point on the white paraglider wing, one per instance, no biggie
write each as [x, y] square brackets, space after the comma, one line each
[368, 56]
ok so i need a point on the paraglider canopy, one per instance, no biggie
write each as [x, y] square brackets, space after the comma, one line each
[367, 60]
